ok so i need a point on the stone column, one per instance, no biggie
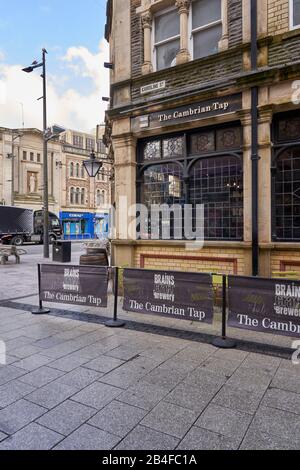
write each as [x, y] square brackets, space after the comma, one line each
[223, 43]
[147, 66]
[183, 8]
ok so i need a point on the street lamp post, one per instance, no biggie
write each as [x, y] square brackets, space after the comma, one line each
[30, 69]
[48, 134]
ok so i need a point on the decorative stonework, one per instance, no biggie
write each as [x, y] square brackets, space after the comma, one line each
[183, 6]
[146, 19]
[183, 9]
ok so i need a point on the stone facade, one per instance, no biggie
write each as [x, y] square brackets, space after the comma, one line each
[22, 184]
[132, 119]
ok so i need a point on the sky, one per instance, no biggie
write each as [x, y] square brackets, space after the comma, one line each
[72, 31]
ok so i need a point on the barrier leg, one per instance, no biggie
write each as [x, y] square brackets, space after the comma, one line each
[224, 342]
[115, 323]
[40, 310]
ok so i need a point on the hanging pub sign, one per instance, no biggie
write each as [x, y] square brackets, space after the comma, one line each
[178, 295]
[265, 305]
[191, 112]
[75, 285]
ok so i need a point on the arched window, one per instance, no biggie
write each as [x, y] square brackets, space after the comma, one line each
[77, 170]
[72, 196]
[82, 172]
[71, 169]
[83, 197]
[77, 196]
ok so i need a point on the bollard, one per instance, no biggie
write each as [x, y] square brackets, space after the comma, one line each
[115, 323]
[224, 342]
[40, 310]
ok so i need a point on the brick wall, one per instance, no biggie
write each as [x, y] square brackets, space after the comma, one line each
[224, 261]
[285, 261]
[278, 16]
[194, 73]
[285, 51]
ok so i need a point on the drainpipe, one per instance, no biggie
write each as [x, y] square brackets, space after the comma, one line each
[254, 144]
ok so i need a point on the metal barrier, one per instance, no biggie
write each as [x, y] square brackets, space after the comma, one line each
[256, 304]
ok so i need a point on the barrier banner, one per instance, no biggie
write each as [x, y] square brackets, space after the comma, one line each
[76, 285]
[178, 295]
[265, 305]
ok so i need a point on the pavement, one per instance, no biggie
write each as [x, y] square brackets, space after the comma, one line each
[75, 384]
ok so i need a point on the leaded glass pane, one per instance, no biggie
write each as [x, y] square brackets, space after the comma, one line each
[152, 150]
[287, 195]
[173, 147]
[218, 184]
[202, 142]
[230, 138]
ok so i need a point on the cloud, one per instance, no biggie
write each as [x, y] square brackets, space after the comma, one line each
[81, 110]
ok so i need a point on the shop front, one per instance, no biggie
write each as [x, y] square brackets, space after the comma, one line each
[77, 225]
[200, 154]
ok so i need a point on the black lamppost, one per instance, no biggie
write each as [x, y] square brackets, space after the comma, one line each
[30, 69]
[48, 134]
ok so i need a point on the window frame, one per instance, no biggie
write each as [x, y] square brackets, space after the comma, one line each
[199, 29]
[291, 16]
[187, 161]
[165, 41]
[279, 147]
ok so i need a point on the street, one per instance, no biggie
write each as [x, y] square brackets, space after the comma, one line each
[71, 383]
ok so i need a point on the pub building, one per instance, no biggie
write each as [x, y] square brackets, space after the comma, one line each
[205, 109]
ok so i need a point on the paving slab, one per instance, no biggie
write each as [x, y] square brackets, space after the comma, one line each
[40, 377]
[143, 395]
[80, 378]
[118, 418]
[69, 362]
[88, 438]
[192, 397]
[239, 399]
[33, 362]
[13, 391]
[170, 419]
[257, 440]
[67, 417]
[279, 423]
[104, 364]
[202, 439]
[167, 378]
[142, 438]
[8, 373]
[32, 437]
[285, 380]
[18, 415]
[97, 395]
[282, 400]
[220, 420]
[51, 394]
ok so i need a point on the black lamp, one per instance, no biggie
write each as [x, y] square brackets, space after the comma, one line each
[92, 165]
